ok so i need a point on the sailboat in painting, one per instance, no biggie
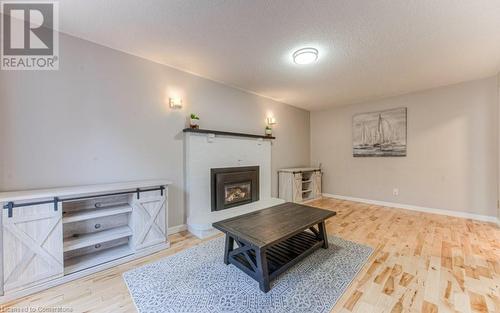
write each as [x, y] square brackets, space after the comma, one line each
[380, 133]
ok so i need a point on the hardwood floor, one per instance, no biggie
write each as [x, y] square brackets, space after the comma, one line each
[422, 263]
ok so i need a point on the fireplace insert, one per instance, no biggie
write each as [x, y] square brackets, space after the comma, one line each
[233, 186]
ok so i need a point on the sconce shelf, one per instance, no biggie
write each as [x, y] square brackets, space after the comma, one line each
[224, 133]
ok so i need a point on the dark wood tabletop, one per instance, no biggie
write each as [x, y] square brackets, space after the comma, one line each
[268, 226]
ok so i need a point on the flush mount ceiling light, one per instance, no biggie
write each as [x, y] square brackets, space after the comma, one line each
[305, 56]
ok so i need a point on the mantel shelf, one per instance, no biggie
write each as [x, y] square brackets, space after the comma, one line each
[225, 133]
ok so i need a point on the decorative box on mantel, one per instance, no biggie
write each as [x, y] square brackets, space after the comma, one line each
[226, 174]
[299, 184]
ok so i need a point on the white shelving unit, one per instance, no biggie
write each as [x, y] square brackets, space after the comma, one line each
[89, 228]
[299, 184]
[96, 230]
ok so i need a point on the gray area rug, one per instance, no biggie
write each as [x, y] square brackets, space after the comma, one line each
[197, 280]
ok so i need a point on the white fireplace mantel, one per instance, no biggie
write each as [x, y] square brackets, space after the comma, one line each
[206, 151]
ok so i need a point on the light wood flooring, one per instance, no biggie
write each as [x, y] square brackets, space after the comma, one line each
[422, 263]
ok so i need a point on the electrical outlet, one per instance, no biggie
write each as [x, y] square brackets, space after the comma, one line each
[395, 192]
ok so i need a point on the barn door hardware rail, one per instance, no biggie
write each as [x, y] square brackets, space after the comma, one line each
[11, 205]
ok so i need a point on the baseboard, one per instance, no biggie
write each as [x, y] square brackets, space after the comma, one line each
[176, 229]
[483, 218]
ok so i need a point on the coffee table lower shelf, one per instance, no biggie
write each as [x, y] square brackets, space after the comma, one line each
[266, 264]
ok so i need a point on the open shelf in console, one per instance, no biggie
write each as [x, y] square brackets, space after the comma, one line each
[82, 241]
[83, 215]
[96, 230]
[85, 261]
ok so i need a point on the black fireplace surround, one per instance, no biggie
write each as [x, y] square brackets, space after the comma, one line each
[233, 186]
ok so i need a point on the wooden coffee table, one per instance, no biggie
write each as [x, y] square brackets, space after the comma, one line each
[272, 240]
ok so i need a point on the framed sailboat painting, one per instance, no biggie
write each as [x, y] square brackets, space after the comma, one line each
[379, 134]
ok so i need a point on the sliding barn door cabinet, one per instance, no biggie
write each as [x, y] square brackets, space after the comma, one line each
[299, 184]
[53, 236]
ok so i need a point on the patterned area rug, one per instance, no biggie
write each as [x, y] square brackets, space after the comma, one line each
[197, 280]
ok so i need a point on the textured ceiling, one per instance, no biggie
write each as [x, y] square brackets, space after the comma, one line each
[368, 49]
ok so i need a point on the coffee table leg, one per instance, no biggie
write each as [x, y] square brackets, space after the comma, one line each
[262, 270]
[228, 248]
[323, 235]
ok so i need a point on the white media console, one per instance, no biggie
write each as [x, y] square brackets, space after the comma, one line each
[299, 184]
[56, 235]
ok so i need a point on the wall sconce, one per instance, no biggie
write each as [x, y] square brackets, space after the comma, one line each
[175, 103]
[271, 120]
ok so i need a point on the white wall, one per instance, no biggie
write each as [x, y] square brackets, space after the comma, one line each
[103, 117]
[498, 129]
[452, 157]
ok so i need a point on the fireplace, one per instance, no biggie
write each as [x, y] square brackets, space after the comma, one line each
[233, 186]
